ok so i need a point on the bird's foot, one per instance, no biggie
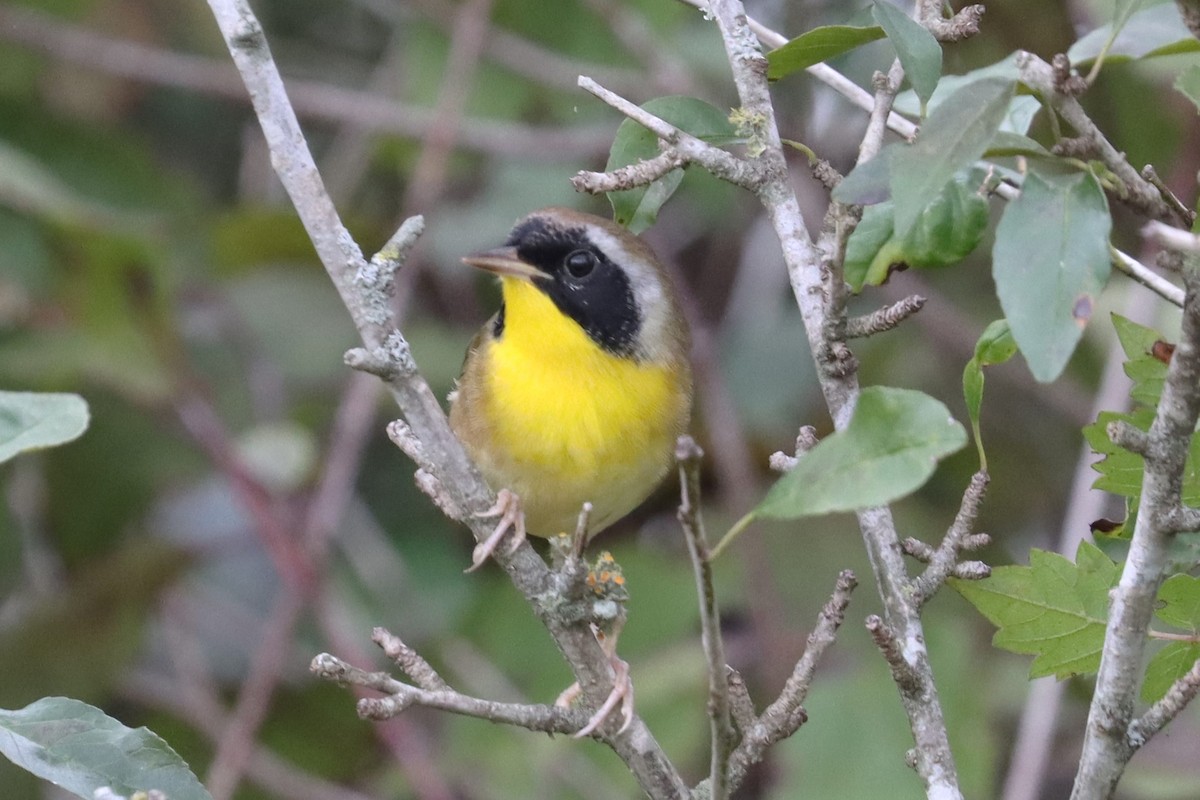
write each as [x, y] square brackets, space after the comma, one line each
[508, 508]
[621, 694]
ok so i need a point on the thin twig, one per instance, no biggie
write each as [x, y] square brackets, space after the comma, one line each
[942, 562]
[781, 719]
[1182, 692]
[688, 456]
[885, 318]
[400, 696]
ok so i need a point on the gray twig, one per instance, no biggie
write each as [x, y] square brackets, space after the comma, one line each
[884, 319]
[944, 561]
[781, 719]
[688, 456]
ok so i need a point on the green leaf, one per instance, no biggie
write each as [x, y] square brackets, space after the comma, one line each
[1050, 261]
[871, 249]
[817, 45]
[1007, 143]
[637, 208]
[919, 53]
[1155, 31]
[869, 182]
[995, 346]
[1120, 470]
[36, 420]
[889, 449]
[1052, 609]
[1188, 84]
[946, 231]
[1147, 372]
[1167, 666]
[954, 136]
[82, 749]
[1179, 602]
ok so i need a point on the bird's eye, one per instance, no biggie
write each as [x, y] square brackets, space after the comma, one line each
[580, 263]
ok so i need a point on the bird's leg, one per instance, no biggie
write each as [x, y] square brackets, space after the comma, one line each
[608, 613]
[508, 508]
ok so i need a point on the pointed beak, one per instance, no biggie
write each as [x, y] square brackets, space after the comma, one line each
[504, 261]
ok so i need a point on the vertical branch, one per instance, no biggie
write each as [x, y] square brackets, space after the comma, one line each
[688, 455]
[1107, 745]
[808, 272]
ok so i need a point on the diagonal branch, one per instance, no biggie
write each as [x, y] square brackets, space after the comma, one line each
[363, 289]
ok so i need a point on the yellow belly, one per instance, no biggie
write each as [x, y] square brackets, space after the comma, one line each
[568, 422]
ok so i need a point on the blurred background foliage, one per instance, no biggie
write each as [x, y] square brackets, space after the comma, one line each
[235, 507]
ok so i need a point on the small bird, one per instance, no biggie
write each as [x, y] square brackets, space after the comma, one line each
[576, 390]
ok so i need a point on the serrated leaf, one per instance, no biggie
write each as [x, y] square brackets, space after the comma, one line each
[1167, 666]
[889, 449]
[1050, 261]
[1053, 609]
[919, 53]
[82, 749]
[1120, 470]
[954, 136]
[817, 45]
[1179, 602]
[637, 208]
[36, 420]
[1147, 372]
[1188, 84]
[1155, 31]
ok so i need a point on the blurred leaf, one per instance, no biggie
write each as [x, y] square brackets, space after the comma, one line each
[82, 749]
[250, 238]
[953, 137]
[297, 319]
[36, 420]
[281, 456]
[1167, 666]
[1006, 143]
[1052, 609]
[1154, 31]
[29, 187]
[889, 449]
[1188, 84]
[1050, 261]
[817, 45]
[869, 182]
[919, 53]
[995, 346]
[99, 613]
[637, 208]
[1020, 111]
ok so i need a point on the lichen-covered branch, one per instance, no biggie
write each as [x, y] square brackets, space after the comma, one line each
[943, 562]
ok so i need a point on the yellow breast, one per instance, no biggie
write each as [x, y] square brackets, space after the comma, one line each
[568, 421]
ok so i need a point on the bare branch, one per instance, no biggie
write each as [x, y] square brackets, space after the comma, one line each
[961, 26]
[781, 719]
[688, 456]
[1171, 238]
[1040, 76]
[386, 349]
[885, 318]
[1182, 692]
[641, 173]
[944, 560]
[746, 174]
[400, 696]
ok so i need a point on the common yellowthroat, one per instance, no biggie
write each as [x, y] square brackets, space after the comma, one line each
[577, 388]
